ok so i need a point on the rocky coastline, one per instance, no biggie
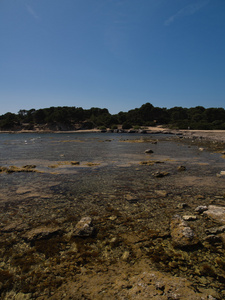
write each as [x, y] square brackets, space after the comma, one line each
[158, 237]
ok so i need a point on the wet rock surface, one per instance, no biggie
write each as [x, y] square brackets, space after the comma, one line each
[216, 213]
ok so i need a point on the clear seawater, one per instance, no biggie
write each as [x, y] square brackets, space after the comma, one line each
[115, 158]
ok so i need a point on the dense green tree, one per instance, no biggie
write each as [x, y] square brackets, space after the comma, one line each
[146, 112]
[121, 117]
[177, 117]
[9, 120]
[126, 125]
[39, 116]
[178, 113]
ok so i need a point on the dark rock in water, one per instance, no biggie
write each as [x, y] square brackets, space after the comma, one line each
[84, 227]
[216, 213]
[142, 131]
[182, 235]
[29, 167]
[182, 205]
[160, 174]
[200, 209]
[131, 199]
[149, 151]
[181, 168]
[39, 233]
[215, 230]
[222, 237]
[213, 239]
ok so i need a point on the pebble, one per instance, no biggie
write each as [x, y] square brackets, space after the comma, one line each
[189, 218]
[125, 255]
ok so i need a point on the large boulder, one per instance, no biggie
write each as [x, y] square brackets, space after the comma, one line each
[216, 213]
[182, 235]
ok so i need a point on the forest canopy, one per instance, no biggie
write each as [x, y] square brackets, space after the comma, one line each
[147, 115]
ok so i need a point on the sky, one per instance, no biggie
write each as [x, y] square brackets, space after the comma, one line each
[114, 54]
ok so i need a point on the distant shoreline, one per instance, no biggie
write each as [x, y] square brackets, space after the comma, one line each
[215, 135]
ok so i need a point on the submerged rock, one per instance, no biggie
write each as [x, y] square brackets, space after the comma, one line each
[39, 233]
[189, 218]
[181, 168]
[216, 213]
[213, 239]
[200, 209]
[84, 227]
[182, 235]
[215, 230]
[222, 237]
[182, 205]
[131, 198]
[161, 193]
[160, 174]
[149, 151]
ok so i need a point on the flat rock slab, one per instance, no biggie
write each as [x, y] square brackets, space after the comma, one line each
[216, 213]
[39, 233]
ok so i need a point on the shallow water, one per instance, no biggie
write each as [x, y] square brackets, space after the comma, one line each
[115, 159]
[107, 149]
[115, 185]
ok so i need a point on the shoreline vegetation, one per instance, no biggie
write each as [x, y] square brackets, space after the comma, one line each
[76, 119]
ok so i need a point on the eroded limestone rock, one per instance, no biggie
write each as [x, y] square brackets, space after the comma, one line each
[201, 208]
[216, 213]
[182, 235]
[84, 227]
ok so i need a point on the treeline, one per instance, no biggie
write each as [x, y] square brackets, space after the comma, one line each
[147, 115]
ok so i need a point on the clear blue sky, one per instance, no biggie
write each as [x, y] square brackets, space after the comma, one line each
[115, 54]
